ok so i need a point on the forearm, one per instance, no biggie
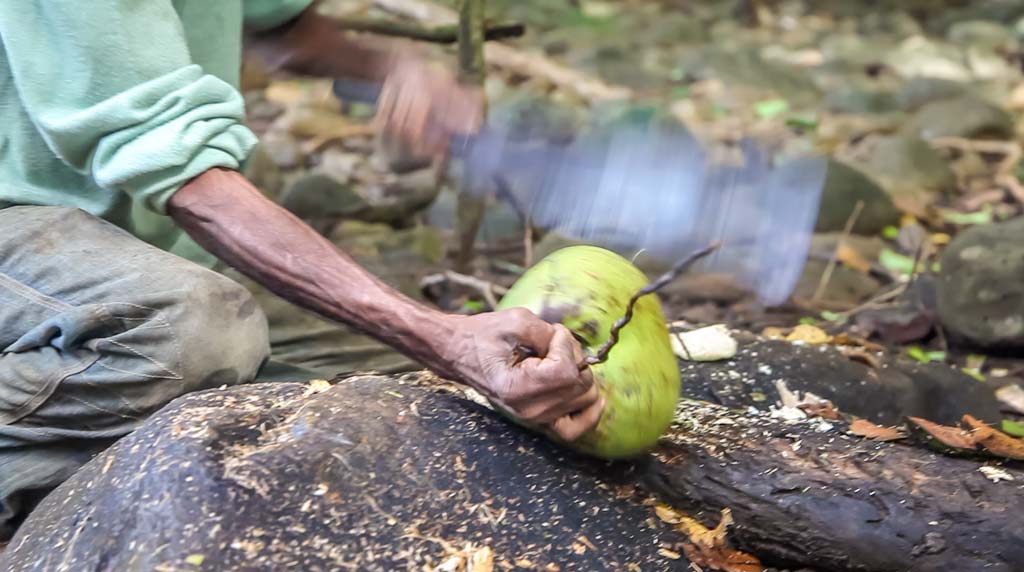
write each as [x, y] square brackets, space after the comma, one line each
[313, 45]
[226, 215]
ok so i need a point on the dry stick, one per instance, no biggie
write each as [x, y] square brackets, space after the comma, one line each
[586, 87]
[487, 289]
[448, 34]
[1012, 155]
[663, 280]
[826, 276]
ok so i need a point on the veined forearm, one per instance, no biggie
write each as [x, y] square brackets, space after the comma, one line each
[313, 45]
[226, 215]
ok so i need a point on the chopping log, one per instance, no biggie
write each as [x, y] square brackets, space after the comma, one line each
[384, 473]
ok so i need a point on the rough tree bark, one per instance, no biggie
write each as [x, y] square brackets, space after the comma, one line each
[377, 473]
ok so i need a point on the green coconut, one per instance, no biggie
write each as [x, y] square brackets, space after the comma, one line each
[587, 289]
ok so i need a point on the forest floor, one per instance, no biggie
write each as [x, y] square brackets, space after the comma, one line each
[918, 252]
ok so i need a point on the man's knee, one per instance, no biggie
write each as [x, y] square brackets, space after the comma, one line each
[222, 329]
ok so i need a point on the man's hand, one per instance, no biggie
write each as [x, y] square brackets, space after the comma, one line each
[225, 214]
[421, 105]
[424, 106]
[528, 367]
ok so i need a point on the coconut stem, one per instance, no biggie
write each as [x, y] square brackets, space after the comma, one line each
[678, 269]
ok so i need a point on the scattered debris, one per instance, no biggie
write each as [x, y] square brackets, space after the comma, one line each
[709, 547]
[712, 343]
[1013, 396]
[995, 474]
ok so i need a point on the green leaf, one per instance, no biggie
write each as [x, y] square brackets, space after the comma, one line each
[832, 316]
[984, 216]
[896, 262]
[807, 122]
[769, 108]
[925, 356]
[393, 393]
[891, 232]
[1015, 428]
[758, 396]
[195, 559]
[976, 374]
[680, 92]
[474, 306]
[917, 353]
[808, 321]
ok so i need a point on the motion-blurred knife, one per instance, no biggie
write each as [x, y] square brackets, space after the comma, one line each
[640, 186]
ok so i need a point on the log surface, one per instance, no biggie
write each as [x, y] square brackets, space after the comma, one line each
[378, 473]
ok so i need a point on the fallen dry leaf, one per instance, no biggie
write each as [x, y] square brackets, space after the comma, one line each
[668, 514]
[860, 355]
[847, 339]
[710, 547]
[954, 437]
[773, 332]
[808, 334]
[865, 428]
[995, 441]
[823, 409]
[852, 258]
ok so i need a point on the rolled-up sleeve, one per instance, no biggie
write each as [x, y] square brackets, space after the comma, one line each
[111, 88]
[265, 14]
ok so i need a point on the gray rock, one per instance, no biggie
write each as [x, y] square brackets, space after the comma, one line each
[861, 100]
[981, 285]
[984, 34]
[845, 286]
[845, 185]
[907, 165]
[917, 57]
[283, 150]
[918, 91]
[967, 116]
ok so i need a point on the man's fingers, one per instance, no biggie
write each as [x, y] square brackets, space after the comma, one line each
[566, 406]
[550, 405]
[572, 427]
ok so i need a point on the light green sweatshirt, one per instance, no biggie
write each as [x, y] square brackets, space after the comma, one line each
[110, 105]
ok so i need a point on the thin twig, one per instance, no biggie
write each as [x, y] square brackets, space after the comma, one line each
[448, 34]
[1012, 155]
[613, 336]
[826, 276]
[485, 288]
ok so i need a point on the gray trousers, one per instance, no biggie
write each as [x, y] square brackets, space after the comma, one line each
[99, 330]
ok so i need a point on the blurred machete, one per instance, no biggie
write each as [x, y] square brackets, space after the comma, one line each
[638, 186]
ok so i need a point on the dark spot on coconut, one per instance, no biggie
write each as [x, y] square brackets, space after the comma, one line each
[557, 313]
[589, 328]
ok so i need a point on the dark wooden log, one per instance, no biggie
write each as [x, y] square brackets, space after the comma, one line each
[378, 473]
[809, 494]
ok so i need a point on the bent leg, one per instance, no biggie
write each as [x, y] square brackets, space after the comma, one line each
[99, 330]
